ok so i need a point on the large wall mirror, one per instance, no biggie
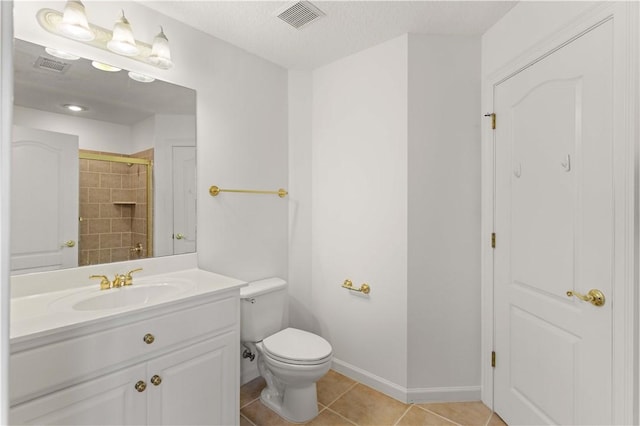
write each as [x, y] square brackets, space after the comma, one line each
[103, 164]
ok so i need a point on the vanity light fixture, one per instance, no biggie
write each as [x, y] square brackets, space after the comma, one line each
[105, 67]
[142, 78]
[75, 108]
[74, 22]
[120, 40]
[61, 54]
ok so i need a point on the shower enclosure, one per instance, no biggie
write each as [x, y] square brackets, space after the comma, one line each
[116, 207]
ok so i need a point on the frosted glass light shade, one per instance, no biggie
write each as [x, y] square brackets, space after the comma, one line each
[160, 52]
[122, 41]
[74, 22]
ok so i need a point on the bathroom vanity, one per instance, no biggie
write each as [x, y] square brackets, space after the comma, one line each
[162, 351]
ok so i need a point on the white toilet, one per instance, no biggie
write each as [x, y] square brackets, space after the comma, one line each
[291, 361]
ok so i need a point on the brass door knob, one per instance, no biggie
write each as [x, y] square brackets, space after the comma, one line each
[148, 338]
[179, 236]
[595, 296]
[156, 380]
[140, 386]
[69, 244]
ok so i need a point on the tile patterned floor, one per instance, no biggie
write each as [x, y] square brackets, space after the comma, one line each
[345, 402]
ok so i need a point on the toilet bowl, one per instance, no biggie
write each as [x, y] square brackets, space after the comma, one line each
[290, 360]
[291, 378]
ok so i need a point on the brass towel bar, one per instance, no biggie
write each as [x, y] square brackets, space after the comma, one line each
[364, 288]
[214, 191]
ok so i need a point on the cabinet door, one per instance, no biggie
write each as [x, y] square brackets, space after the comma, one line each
[107, 400]
[199, 384]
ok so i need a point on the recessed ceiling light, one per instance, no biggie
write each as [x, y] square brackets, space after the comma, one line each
[75, 108]
[61, 54]
[140, 77]
[105, 67]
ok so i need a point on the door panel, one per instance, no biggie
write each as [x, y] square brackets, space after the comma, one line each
[44, 200]
[106, 400]
[554, 227]
[195, 385]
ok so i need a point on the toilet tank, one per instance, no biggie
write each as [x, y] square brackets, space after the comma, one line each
[262, 308]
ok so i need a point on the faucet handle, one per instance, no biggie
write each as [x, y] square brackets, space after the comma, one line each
[118, 281]
[128, 279]
[105, 284]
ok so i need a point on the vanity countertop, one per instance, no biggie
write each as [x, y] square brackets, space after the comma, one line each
[41, 314]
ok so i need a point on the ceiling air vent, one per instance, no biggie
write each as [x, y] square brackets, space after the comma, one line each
[51, 65]
[300, 14]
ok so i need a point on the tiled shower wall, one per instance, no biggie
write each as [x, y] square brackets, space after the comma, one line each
[113, 209]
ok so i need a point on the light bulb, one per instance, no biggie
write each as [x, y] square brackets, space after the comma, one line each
[61, 54]
[142, 78]
[105, 67]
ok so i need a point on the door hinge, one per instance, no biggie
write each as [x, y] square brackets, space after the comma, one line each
[493, 240]
[493, 119]
[493, 358]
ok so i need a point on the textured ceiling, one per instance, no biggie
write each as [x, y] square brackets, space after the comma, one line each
[348, 27]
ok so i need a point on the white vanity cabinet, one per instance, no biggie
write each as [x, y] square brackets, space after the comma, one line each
[175, 363]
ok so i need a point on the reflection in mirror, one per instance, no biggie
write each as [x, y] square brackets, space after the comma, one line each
[113, 180]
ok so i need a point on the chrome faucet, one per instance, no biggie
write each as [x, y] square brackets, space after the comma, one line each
[119, 280]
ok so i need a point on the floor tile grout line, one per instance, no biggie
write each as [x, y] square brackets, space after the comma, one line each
[250, 402]
[342, 394]
[247, 419]
[489, 419]
[341, 416]
[404, 414]
[439, 415]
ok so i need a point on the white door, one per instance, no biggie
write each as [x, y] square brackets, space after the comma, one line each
[184, 199]
[44, 200]
[107, 400]
[554, 228]
[191, 386]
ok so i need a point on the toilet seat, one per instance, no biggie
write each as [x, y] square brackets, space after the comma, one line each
[293, 346]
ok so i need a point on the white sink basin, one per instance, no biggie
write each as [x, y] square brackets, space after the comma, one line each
[123, 297]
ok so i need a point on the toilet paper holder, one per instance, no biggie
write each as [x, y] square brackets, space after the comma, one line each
[364, 288]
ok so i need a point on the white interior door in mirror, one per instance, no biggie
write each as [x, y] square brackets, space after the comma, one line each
[44, 200]
[184, 199]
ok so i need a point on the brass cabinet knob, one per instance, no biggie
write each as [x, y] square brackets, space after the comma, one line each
[156, 380]
[148, 338]
[140, 386]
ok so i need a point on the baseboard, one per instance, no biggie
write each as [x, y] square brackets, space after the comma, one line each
[449, 394]
[411, 395]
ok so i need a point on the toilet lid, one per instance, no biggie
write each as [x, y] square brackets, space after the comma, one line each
[297, 346]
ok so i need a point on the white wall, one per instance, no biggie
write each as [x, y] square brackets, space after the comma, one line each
[142, 135]
[359, 231]
[394, 161]
[92, 134]
[242, 132]
[444, 214]
[300, 92]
